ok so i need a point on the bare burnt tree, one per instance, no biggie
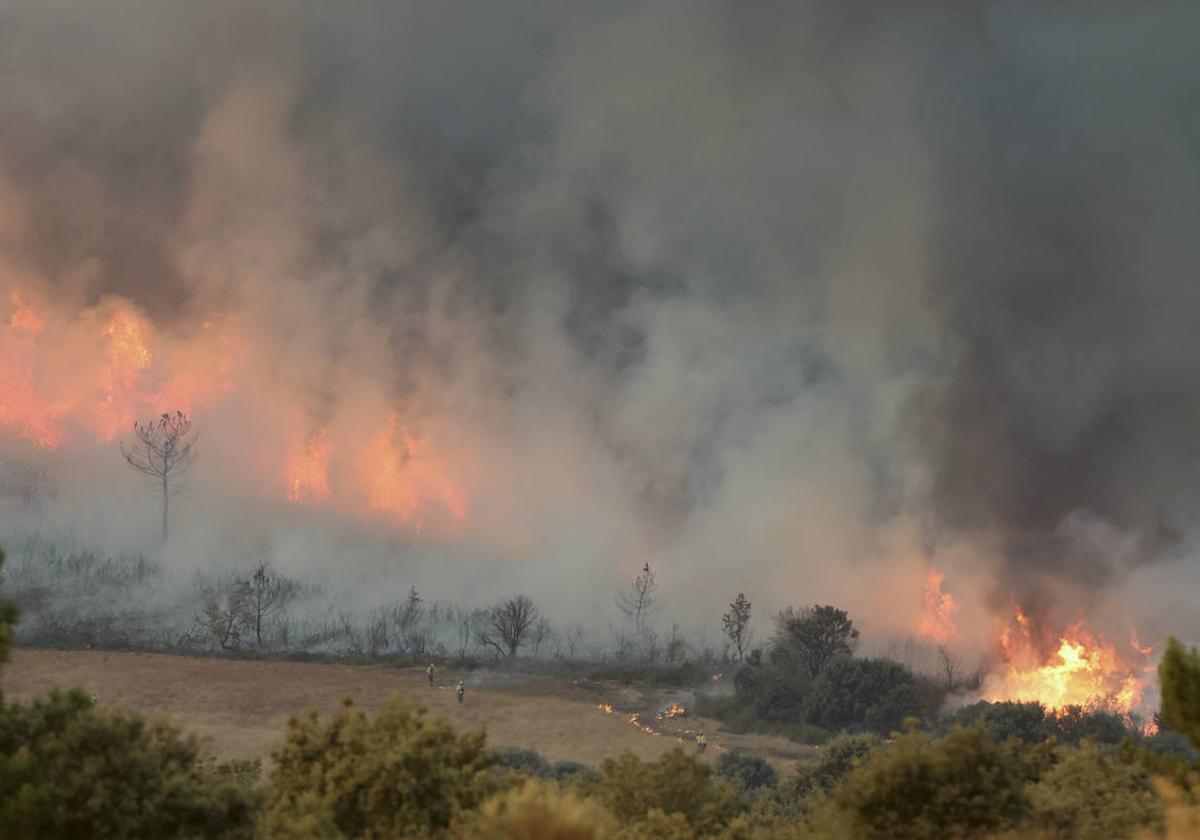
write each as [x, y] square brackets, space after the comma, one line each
[508, 623]
[541, 631]
[226, 613]
[638, 602]
[951, 667]
[736, 624]
[266, 594]
[407, 617]
[163, 451]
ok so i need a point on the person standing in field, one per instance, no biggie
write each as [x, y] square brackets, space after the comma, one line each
[460, 691]
[701, 743]
[429, 673]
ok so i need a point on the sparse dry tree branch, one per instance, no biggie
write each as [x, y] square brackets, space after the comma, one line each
[508, 623]
[736, 624]
[163, 450]
[637, 602]
[266, 594]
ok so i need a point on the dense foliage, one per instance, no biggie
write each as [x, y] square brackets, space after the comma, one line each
[396, 774]
[748, 771]
[69, 769]
[1179, 675]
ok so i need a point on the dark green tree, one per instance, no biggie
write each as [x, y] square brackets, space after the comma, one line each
[813, 637]
[1179, 677]
[872, 694]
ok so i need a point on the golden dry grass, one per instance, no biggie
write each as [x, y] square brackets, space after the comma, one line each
[241, 705]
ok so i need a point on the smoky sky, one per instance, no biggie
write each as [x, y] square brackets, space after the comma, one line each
[783, 269]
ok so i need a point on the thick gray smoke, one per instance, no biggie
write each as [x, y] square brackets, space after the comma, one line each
[791, 298]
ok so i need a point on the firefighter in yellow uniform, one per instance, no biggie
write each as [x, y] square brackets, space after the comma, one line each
[460, 691]
[701, 743]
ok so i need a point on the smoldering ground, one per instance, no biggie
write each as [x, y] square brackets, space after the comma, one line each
[794, 299]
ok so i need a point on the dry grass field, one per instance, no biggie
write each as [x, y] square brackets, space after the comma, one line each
[241, 706]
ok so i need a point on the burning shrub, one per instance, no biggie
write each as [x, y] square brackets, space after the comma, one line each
[749, 771]
[872, 694]
[396, 775]
[1088, 793]
[68, 769]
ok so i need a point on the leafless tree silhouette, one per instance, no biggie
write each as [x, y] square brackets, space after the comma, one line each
[638, 601]
[508, 623]
[163, 451]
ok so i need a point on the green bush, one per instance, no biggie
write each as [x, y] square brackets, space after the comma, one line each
[1089, 793]
[573, 771]
[773, 693]
[539, 812]
[1179, 676]
[1168, 742]
[69, 769]
[396, 775]
[1008, 719]
[1073, 724]
[958, 786]
[675, 784]
[872, 694]
[749, 771]
[523, 760]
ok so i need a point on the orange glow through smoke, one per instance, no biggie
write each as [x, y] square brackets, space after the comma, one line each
[22, 410]
[937, 619]
[406, 480]
[77, 378]
[128, 356]
[307, 470]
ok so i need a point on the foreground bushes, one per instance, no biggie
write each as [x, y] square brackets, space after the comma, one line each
[68, 769]
[395, 775]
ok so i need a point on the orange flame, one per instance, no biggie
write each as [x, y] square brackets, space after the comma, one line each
[406, 480]
[937, 620]
[128, 356]
[1081, 671]
[23, 412]
[307, 470]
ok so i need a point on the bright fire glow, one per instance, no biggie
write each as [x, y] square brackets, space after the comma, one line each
[23, 412]
[406, 480]
[127, 354]
[1080, 671]
[307, 470]
[937, 619]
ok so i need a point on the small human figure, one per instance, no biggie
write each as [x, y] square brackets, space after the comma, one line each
[429, 673]
[460, 691]
[701, 743]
